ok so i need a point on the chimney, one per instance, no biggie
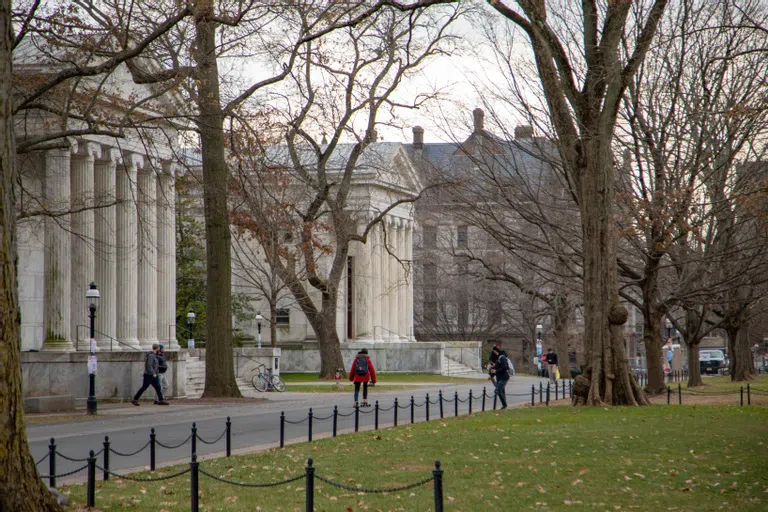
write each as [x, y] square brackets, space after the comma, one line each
[524, 131]
[418, 138]
[478, 115]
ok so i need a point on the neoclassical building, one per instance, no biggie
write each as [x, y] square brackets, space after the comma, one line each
[96, 208]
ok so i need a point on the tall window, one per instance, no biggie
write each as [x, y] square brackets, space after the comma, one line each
[461, 237]
[282, 316]
[430, 237]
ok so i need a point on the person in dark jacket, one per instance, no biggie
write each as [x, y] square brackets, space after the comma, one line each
[162, 367]
[492, 362]
[151, 377]
[362, 363]
[552, 365]
[501, 371]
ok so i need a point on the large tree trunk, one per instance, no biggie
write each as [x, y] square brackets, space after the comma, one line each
[608, 370]
[21, 489]
[653, 356]
[219, 365]
[273, 321]
[562, 316]
[694, 370]
[740, 364]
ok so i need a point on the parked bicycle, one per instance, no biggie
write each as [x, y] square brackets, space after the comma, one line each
[265, 380]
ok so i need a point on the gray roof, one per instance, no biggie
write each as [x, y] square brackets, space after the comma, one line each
[376, 157]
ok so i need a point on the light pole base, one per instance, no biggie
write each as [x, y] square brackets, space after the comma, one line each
[90, 403]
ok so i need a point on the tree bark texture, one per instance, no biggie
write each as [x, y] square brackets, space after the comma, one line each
[21, 489]
[740, 363]
[653, 357]
[219, 367]
[562, 316]
[694, 370]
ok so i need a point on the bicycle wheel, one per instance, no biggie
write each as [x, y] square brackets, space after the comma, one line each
[278, 383]
[259, 382]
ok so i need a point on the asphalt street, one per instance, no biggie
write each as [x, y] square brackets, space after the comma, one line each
[255, 425]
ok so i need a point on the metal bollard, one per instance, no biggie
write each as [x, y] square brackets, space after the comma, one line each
[557, 392]
[376, 416]
[426, 405]
[455, 403]
[335, 418]
[547, 394]
[495, 398]
[679, 395]
[282, 429]
[309, 426]
[105, 476]
[533, 395]
[52, 463]
[310, 487]
[440, 398]
[470, 402]
[437, 478]
[541, 392]
[395, 408]
[194, 494]
[411, 409]
[194, 437]
[669, 392]
[91, 479]
[357, 417]
[482, 405]
[229, 437]
[741, 396]
[749, 396]
[152, 449]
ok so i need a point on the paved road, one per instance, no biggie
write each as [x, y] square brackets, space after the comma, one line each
[254, 425]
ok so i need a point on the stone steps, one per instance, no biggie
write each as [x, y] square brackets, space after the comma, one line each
[453, 368]
[195, 384]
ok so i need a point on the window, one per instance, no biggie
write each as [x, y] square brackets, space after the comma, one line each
[461, 237]
[283, 316]
[430, 237]
[430, 312]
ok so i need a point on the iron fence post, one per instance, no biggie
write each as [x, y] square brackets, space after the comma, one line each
[557, 392]
[412, 405]
[282, 429]
[541, 392]
[741, 396]
[229, 436]
[437, 477]
[357, 417]
[495, 398]
[194, 437]
[376, 416]
[749, 396]
[679, 394]
[669, 392]
[106, 458]
[91, 479]
[482, 404]
[456, 403]
[533, 395]
[396, 407]
[194, 494]
[426, 404]
[310, 487]
[470, 402]
[547, 394]
[440, 398]
[335, 418]
[309, 426]
[52, 463]
[152, 449]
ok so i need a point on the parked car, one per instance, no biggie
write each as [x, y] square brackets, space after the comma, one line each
[711, 361]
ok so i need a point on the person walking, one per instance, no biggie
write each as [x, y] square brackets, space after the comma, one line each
[552, 366]
[492, 358]
[162, 367]
[361, 372]
[501, 371]
[151, 372]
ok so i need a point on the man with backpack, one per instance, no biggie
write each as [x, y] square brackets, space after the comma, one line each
[501, 371]
[151, 372]
[162, 367]
[361, 372]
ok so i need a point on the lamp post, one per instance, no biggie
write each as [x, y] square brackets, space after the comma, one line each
[669, 328]
[190, 323]
[259, 318]
[92, 297]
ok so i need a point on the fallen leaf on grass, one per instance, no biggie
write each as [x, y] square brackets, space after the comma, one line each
[576, 482]
[584, 471]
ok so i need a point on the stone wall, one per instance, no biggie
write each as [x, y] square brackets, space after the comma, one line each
[118, 376]
[410, 357]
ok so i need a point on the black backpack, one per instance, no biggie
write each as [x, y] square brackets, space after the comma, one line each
[361, 366]
[162, 364]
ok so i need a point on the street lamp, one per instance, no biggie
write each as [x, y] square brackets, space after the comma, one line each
[259, 318]
[669, 328]
[92, 297]
[190, 323]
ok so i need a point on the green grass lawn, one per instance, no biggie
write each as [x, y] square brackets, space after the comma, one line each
[695, 458]
[721, 384]
[382, 377]
[348, 388]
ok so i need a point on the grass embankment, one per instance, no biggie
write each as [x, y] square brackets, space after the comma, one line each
[310, 383]
[718, 391]
[650, 458]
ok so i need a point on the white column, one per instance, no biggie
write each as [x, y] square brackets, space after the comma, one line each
[384, 288]
[363, 290]
[166, 257]
[409, 284]
[147, 253]
[83, 237]
[127, 250]
[402, 329]
[56, 198]
[106, 257]
[374, 247]
[392, 288]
